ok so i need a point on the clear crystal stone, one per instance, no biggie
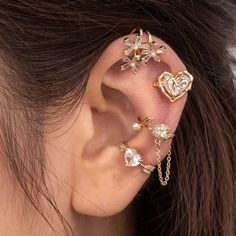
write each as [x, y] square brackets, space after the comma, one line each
[132, 158]
[161, 132]
[176, 86]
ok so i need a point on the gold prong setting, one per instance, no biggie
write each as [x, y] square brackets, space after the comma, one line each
[174, 86]
[133, 159]
[139, 53]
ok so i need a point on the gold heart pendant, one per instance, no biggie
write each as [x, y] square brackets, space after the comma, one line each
[174, 87]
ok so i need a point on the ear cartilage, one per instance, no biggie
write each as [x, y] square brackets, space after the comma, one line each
[174, 86]
[160, 132]
[133, 159]
[139, 53]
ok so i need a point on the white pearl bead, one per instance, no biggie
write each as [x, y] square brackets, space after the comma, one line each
[136, 126]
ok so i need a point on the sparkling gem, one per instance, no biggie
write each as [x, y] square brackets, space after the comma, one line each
[161, 132]
[152, 52]
[132, 158]
[134, 45]
[162, 49]
[176, 86]
[130, 62]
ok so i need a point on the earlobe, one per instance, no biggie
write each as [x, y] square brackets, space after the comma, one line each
[104, 184]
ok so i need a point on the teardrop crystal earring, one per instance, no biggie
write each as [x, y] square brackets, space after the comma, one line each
[160, 132]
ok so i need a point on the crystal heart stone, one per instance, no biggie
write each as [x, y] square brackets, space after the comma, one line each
[132, 158]
[174, 87]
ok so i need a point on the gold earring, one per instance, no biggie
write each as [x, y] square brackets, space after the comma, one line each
[153, 51]
[160, 133]
[174, 86]
[133, 158]
[139, 53]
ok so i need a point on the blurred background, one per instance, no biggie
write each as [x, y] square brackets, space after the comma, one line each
[233, 51]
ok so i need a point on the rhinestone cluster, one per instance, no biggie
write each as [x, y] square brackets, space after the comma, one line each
[174, 86]
[139, 53]
[161, 132]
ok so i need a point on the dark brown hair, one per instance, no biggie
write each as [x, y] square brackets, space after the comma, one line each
[48, 49]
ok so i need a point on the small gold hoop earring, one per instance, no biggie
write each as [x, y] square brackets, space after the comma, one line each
[149, 37]
[138, 30]
[160, 133]
[133, 159]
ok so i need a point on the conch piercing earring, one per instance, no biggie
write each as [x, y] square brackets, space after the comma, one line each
[133, 158]
[138, 53]
[174, 86]
[160, 132]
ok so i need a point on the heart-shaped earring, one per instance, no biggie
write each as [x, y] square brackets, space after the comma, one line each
[133, 159]
[174, 86]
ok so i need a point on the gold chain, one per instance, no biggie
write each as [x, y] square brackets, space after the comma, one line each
[159, 169]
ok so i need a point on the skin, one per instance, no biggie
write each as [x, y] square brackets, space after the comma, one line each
[93, 188]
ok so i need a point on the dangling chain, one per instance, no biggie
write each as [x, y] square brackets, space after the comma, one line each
[159, 169]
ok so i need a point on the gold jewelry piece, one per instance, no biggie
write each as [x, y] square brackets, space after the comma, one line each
[142, 123]
[160, 132]
[139, 53]
[168, 163]
[174, 87]
[133, 158]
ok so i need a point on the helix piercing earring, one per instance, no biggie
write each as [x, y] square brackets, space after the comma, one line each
[174, 86]
[133, 158]
[160, 133]
[153, 51]
[138, 53]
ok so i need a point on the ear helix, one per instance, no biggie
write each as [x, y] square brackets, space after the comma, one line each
[174, 86]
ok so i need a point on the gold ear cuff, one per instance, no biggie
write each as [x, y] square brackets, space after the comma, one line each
[139, 53]
[174, 86]
[133, 158]
[160, 132]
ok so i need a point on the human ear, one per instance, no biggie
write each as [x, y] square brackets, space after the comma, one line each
[102, 184]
